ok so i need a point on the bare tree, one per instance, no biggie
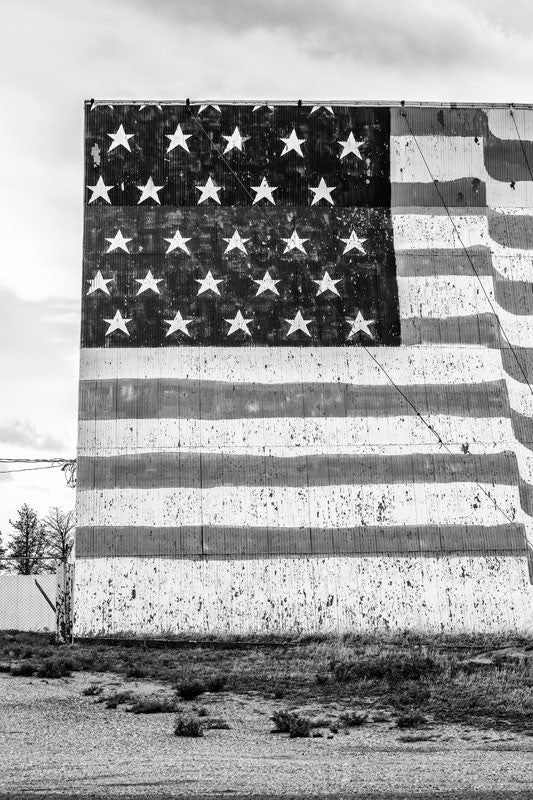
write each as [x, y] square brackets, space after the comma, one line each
[59, 527]
[27, 548]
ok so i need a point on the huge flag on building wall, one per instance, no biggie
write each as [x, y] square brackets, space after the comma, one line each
[305, 397]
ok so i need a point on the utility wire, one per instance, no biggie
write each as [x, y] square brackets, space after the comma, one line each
[521, 143]
[476, 273]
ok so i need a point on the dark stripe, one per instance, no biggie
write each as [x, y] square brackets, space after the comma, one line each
[207, 470]
[526, 497]
[428, 540]
[518, 363]
[511, 230]
[514, 296]
[421, 263]
[190, 399]
[438, 121]
[477, 329]
[523, 429]
[505, 159]
[462, 192]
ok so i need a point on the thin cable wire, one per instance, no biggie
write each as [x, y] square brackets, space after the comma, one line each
[521, 144]
[403, 395]
[27, 469]
[436, 184]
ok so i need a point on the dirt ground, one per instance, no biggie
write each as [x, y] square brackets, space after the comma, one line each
[56, 741]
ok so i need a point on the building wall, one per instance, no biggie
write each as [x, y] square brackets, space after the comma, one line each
[324, 488]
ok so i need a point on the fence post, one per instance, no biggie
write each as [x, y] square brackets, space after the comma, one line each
[64, 604]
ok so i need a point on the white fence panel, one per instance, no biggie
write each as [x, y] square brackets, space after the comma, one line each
[23, 607]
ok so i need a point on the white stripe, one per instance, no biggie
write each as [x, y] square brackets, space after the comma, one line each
[520, 396]
[512, 263]
[447, 158]
[444, 296]
[438, 231]
[448, 364]
[293, 437]
[501, 193]
[501, 123]
[336, 506]
[294, 594]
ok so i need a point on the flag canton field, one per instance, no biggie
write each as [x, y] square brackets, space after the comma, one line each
[237, 225]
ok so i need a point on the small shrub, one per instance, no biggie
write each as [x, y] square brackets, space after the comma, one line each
[420, 737]
[217, 683]
[299, 727]
[353, 719]
[321, 678]
[54, 668]
[412, 720]
[135, 671]
[281, 720]
[394, 669]
[5, 667]
[217, 724]
[188, 726]
[203, 712]
[380, 716]
[296, 725]
[154, 705]
[24, 670]
[190, 690]
[119, 698]
[92, 690]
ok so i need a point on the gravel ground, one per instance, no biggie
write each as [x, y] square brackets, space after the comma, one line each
[55, 741]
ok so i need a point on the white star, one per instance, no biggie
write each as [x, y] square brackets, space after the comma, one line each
[360, 324]
[100, 190]
[209, 105]
[262, 105]
[99, 282]
[178, 139]
[266, 284]
[353, 242]
[327, 283]
[235, 140]
[120, 139]
[292, 143]
[264, 191]
[208, 284]
[149, 190]
[148, 283]
[208, 190]
[351, 146]
[236, 243]
[178, 241]
[317, 108]
[298, 324]
[117, 242]
[238, 323]
[96, 105]
[178, 324]
[322, 192]
[294, 243]
[149, 105]
[118, 323]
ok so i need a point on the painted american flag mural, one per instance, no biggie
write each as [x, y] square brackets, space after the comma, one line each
[305, 398]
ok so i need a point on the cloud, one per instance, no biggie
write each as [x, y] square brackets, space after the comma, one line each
[24, 433]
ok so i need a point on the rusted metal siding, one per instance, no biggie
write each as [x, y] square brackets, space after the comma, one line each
[297, 486]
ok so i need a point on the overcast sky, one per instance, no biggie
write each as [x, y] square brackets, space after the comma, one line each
[56, 54]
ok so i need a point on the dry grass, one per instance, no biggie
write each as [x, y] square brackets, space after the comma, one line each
[394, 675]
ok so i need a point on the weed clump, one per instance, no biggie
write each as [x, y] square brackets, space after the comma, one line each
[353, 719]
[411, 720]
[154, 705]
[93, 690]
[394, 669]
[190, 690]
[187, 725]
[56, 667]
[23, 670]
[296, 725]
